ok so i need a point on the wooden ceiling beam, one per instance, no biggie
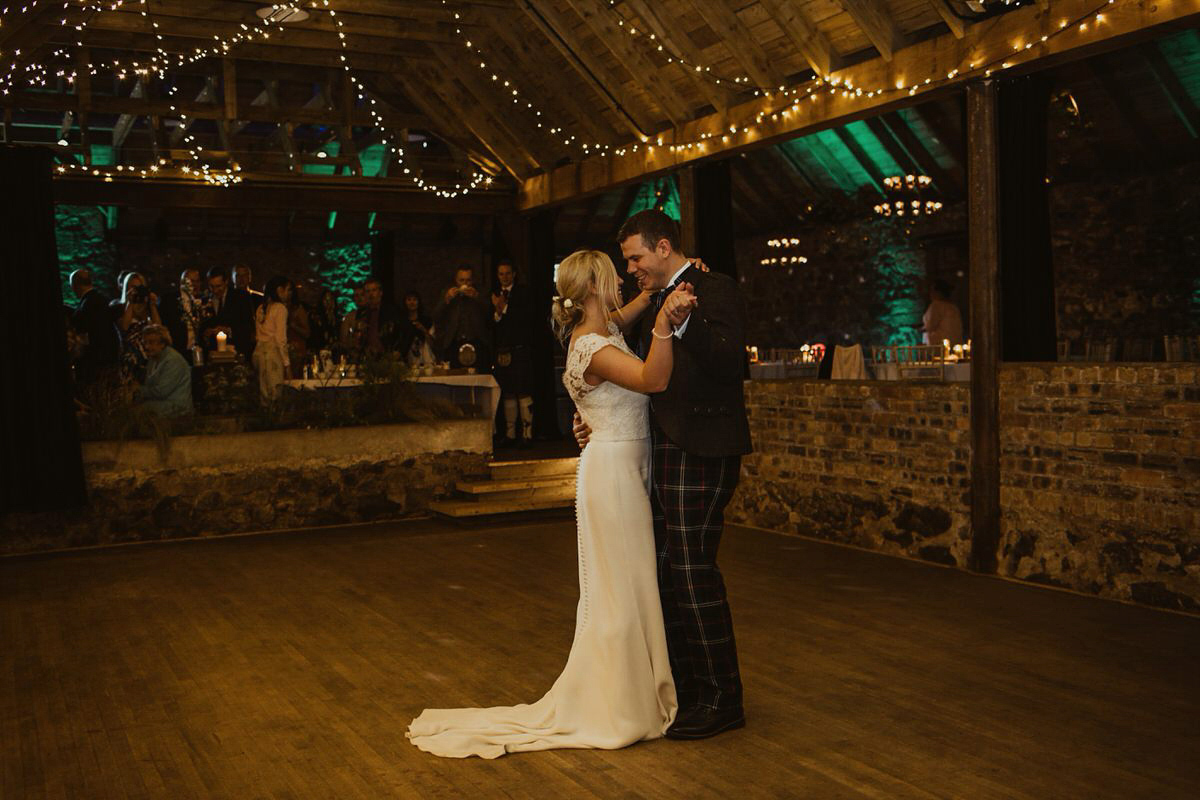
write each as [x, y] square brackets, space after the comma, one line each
[1148, 144]
[444, 127]
[862, 157]
[555, 27]
[515, 159]
[641, 69]
[740, 41]
[775, 185]
[950, 183]
[148, 44]
[266, 190]
[1181, 102]
[875, 20]
[141, 106]
[680, 44]
[560, 90]
[956, 24]
[808, 40]
[761, 209]
[1126, 22]
[493, 100]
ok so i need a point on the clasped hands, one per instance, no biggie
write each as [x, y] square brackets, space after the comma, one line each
[678, 305]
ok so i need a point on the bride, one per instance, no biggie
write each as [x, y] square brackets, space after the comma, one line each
[616, 688]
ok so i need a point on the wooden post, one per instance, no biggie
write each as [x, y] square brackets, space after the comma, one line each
[984, 214]
[687, 209]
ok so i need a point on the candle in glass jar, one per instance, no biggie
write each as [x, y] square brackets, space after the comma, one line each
[221, 337]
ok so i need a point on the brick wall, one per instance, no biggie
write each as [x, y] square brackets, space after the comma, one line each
[1100, 473]
[1100, 479]
[883, 465]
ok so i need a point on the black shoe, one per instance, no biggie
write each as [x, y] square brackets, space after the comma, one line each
[701, 722]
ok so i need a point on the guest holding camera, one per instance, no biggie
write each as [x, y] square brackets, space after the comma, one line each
[463, 330]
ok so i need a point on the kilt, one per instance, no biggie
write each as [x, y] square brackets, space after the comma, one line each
[516, 377]
[688, 504]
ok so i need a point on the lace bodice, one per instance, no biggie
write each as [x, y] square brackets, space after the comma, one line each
[614, 413]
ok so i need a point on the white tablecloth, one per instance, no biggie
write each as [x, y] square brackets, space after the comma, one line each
[483, 389]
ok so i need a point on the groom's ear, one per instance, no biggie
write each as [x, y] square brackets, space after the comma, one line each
[663, 248]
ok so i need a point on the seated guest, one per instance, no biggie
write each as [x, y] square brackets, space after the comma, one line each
[942, 321]
[184, 312]
[232, 314]
[323, 322]
[167, 388]
[270, 326]
[94, 321]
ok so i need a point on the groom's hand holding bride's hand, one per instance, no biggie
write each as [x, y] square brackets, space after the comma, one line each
[679, 304]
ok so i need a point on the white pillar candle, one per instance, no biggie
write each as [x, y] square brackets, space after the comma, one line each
[221, 337]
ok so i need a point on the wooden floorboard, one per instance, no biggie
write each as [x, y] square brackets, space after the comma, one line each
[288, 666]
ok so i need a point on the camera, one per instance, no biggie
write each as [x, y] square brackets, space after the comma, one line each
[139, 294]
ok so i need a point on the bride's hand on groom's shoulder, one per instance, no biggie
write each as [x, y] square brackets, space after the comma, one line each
[582, 431]
[699, 264]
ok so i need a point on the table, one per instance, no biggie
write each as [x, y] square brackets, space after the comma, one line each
[482, 390]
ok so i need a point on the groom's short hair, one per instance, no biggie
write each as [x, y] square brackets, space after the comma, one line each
[652, 225]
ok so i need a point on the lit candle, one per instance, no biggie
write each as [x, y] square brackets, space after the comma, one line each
[221, 337]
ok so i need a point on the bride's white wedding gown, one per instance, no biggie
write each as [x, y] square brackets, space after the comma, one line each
[616, 688]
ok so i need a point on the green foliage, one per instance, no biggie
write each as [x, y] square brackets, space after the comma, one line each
[80, 232]
[342, 268]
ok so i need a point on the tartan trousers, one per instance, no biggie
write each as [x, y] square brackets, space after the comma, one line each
[688, 503]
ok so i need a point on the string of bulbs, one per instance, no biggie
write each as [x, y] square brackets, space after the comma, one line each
[162, 62]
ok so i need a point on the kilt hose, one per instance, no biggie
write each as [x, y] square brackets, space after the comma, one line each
[688, 503]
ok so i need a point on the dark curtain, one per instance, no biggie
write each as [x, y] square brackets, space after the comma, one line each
[540, 239]
[714, 217]
[1027, 319]
[40, 457]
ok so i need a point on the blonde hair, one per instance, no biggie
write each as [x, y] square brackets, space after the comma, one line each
[578, 274]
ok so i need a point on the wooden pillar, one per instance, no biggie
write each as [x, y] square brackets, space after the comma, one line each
[984, 215]
[687, 210]
[539, 247]
[713, 216]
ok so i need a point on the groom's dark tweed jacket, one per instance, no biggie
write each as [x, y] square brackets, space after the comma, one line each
[703, 408]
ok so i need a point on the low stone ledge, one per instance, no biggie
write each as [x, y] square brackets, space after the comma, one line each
[246, 482]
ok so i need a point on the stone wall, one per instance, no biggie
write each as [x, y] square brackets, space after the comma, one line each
[1100, 473]
[1100, 479]
[236, 483]
[876, 464]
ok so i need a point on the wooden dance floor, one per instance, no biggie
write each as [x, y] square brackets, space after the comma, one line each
[288, 666]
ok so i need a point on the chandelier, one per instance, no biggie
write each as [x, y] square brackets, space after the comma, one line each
[783, 243]
[904, 197]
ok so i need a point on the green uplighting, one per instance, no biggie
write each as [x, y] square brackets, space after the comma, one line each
[661, 193]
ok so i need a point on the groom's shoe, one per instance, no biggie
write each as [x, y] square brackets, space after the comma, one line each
[700, 722]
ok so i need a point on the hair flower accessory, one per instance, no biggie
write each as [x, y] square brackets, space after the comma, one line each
[567, 303]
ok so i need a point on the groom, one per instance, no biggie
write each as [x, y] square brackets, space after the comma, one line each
[699, 433]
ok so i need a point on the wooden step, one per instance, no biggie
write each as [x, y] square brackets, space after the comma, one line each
[479, 508]
[533, 468]
[554, 483]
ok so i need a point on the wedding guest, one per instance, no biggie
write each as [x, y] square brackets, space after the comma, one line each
[463, 317]
[298, 331]
[323, 322]
[184, 311]
[167, 387]
[270, 327]
[416, 339]
[139, 313]
[128, 282]
[93, 320]
[244, 279]
[513, 324]
[942, 320]
[378, 322]
[232, 313]
[348, 330]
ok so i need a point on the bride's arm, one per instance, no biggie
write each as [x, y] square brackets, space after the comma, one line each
[652, 375]
[627, 315]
